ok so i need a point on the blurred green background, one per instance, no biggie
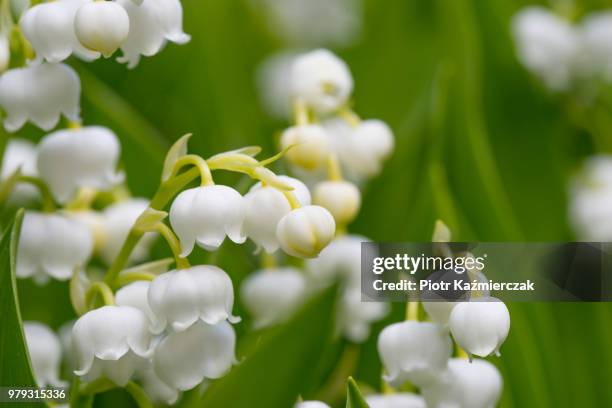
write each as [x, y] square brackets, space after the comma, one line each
[480, 144]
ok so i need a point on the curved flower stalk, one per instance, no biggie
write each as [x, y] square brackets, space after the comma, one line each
[112, 341]
[82, 157]
[465, 384]
[52, 245]
[265, 206]
[399, 400]
[272, 295]
[40, 94]
[45, 354]
[50, 28]
[480, 326]
[182, 297]
[152, 24]
[414, 351]
[184, 359]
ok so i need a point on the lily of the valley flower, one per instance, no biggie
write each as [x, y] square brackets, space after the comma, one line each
[321, 80]
[83, 157]
[465, 384]
[50, 28]
[399, 400]
[265, 206]
[271, 295]
[339, 261]
[52, 245]
[112, 341]
[102, 26]
[547, 45]
[117, 220]
[308, 146]
[596, 35]
[356, 316]
[414, 351]
[5, 52]
[40, 94]
[20, 154]
[181, 297]
[136, 295]
[311, 404]
[305, 231]
[480, 326]
[341, 198]
[45, 352]
[206, 215]
[182, 360]
[439, 311]
[157, 390]
[152, 24]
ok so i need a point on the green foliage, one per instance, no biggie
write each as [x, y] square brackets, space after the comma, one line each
[354, 399]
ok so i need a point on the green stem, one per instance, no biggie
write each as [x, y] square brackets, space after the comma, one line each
[48, 202]
[199, 163]
[412, 310]
[174, 244]
[129, 277]
[139, 395]
[101, 288]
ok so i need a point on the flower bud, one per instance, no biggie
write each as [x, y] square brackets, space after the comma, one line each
[341, 198]
[339, 261]
[205, 215]
[117, 220]
[135, 295]
[52, 245]
[414, 351]
[152, 23]
[40, 94]
[465, 385]
[355, 316]
[182, 360]
[399, 400]
[310, 146]
[265, 206]
[547, 45]
[102, 26]
[5, 52]
[480, 326]
[272, 295]
[181, 297]
[49, 27]
[112, 341]
[305, 231]
[83, 157]
[322, 80]
[45, 352]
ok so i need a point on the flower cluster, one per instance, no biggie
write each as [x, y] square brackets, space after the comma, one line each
[40, 87]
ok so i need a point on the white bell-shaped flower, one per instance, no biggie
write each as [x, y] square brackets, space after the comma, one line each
[311, 404]
[355, 316]
[399, 400]
[20, 154]
[45, 352]
[83, 157]
[49, 27]
[309, 146]
[414, 351]
[152, 23]
[480, 326]
[321, 80]
[157, 390]
[272, 295]
[181, 297]
[52, 245]
[117, 220]
[590, 200]
[102, 26]
[339, 261]
[305, 231]
[272, 77]
[596, 31]
[439, 311]
[547, 45]
[265, 206]
[182, 360]
[40, 94]
[112, 341]
[361, 149]
[206, 215]
[5, 51]
[136, 295]
[341, 198]
[476, 384]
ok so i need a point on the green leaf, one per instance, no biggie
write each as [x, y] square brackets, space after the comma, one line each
[16, 369]
[354, 399]
[178, 149]
[279, 362]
